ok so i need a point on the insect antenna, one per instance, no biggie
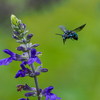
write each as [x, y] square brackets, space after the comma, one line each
[58, 34]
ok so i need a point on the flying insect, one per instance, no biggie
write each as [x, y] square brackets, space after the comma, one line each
[70, 34]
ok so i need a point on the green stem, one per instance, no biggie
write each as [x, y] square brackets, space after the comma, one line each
[35, 79]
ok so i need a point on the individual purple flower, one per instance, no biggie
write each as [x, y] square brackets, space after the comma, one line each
[33, 57]
[13, 56]
[23, 72]
[25, 87]
[24, 99]
[28, 88]
[50, 96]
[40, 69]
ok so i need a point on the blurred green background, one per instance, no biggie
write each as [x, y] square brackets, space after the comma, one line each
[74, 68]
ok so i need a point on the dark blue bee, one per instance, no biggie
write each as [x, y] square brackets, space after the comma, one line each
[70, 34]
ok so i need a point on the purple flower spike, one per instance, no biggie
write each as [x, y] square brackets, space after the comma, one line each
[12, 57]
[24, 99]
[22, 72]
[48, 95]
[33, 57]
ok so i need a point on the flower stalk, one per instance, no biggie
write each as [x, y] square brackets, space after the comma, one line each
[29, 56]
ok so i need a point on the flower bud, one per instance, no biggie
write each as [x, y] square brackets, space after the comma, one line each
[14, 19]
[35, 45]
[15, 37]
[20, 48]
[29, 36]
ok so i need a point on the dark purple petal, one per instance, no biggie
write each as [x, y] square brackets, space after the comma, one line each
[6, 61]
[17, 75]
[28, 71]
[20, 73]
[37, 60]
[29, 94]
[27, 88]
[24, 62]
[22, 66]
[31, 60]
[50, 88]
[33, 53]
[9, 52]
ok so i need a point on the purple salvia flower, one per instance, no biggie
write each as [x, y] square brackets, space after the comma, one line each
[22, 72]
[33, 57]
[50, 96]
[13, 56]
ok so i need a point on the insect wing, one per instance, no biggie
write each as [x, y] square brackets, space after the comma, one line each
[62, 28]
[79, 28]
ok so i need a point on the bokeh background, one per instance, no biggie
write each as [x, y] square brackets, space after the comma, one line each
[74, 68]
